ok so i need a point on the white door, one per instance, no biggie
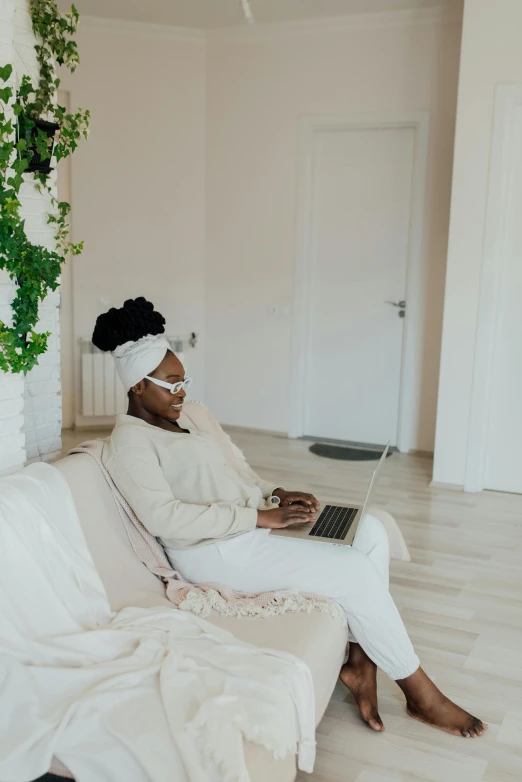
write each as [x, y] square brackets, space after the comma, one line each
[503, 455]
[361, 214]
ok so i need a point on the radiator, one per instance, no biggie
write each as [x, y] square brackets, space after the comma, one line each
[102, 393]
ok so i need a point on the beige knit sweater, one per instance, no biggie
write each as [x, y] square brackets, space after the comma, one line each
[182, 487]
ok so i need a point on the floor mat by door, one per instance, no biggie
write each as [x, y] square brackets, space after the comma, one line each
[345, 452]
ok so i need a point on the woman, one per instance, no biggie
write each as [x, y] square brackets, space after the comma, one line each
[214, 521]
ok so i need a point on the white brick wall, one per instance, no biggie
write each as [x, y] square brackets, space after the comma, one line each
[43, 408]
[30, 408]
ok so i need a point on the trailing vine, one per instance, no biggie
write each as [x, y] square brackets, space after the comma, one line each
[34, 268]
[54, 31]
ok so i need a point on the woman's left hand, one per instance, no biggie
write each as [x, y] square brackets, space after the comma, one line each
[308, 501]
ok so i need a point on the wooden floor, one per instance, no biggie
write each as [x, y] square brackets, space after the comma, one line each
[461, 599]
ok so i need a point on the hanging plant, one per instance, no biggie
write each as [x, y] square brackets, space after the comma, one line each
[40, 118]
[38, 135]
[33, 129]
[53, 31]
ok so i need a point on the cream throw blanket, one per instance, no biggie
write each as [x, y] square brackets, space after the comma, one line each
[143, 695]
[202, 599]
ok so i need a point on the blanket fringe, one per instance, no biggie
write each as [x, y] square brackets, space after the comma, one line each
[202, 603]
[224, 733]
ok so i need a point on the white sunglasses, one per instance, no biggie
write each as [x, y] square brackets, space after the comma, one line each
[174, 388]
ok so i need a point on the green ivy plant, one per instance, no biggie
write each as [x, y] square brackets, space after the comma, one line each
[34, 268]
[54, 30]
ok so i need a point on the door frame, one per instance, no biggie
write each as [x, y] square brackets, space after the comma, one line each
[66, 306]
[508, 99]
[412, 351]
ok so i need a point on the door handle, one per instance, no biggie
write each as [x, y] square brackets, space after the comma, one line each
[400, 304]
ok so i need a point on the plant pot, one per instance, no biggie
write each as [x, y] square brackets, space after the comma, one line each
[29, 132]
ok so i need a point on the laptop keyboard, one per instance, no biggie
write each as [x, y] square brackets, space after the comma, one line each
[334, 522]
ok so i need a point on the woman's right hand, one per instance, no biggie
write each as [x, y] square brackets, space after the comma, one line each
[278, 518]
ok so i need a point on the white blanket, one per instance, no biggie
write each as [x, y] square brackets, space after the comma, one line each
[144, 694]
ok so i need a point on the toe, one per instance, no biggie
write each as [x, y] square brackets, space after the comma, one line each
[479, 728]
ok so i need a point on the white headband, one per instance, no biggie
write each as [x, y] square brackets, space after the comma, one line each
[136, 360]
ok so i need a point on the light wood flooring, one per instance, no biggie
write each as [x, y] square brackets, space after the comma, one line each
[461, 599]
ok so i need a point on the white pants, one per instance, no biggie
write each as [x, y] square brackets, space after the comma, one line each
[355, 576]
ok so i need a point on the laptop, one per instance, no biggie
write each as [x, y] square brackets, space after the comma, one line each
[336, 524]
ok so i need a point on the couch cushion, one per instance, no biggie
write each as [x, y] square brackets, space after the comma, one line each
[126, 579]
[316, 638]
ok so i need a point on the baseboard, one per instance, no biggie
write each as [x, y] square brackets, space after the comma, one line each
[75, 428]
[95, 422]
[447, 486]
[230, 428]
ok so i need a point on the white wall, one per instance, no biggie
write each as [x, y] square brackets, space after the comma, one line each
[259, 83]
[12, 441]
[138, 185]
[30, 407]
[491, 55]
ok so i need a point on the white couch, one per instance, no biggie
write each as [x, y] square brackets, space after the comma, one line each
[315, 638]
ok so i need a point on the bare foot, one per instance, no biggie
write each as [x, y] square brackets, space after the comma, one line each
[426, 703]
[360, 676]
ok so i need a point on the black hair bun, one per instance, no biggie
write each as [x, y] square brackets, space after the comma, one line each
[136, 319]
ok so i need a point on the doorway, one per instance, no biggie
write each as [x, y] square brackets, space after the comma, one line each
[66, 297]
[357, 292]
